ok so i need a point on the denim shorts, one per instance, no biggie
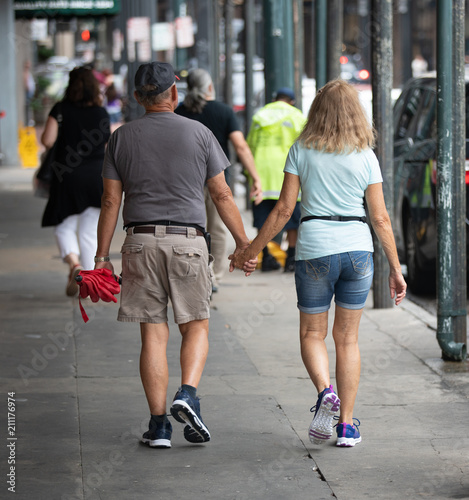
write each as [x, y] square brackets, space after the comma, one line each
[347, 275]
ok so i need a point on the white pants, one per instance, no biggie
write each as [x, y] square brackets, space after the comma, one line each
[217, 231]
[78, 234]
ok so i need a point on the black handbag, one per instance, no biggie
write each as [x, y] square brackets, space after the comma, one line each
[43, 175]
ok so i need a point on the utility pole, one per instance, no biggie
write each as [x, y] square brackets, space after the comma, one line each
[249, 34]
[382, 71]
[405, 36]
[278, 25]
[335, 34]
[180, 10]
[447, 180]
[215, 45]
[8, 124]
[459, 294]
[228, 93]
[321, 43]
[206, 50]
[298, 65]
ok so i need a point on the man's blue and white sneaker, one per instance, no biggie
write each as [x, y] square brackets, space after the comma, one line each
[158, 434]
[327, 406]
[186, 410]
[348, 435]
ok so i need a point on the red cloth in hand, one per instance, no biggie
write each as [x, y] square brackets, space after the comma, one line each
[97, 284]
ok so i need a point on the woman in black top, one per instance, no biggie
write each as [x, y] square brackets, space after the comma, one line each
[80, 125]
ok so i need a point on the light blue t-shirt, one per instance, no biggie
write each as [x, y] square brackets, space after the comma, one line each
[332, 184]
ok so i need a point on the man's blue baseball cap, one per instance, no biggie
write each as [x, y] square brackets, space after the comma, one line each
[160, 75]
[285, 91]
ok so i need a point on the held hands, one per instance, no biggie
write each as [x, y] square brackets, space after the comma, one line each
[397, 286]
[240, 260]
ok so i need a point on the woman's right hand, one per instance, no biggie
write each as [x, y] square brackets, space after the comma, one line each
[397, 286]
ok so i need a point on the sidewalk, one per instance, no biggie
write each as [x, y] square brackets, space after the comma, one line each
[80, 408]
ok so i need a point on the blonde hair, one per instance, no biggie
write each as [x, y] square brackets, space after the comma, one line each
[337, 122]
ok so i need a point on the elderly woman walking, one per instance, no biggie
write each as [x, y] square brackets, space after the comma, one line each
[333, 165]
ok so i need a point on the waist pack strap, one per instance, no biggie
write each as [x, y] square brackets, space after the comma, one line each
[338, 218]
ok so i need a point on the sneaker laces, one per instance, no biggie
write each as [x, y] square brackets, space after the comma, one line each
[357, 425]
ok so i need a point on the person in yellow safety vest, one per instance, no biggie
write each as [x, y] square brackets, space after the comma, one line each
[273, 131]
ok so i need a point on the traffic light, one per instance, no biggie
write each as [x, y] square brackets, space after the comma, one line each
[85, 35]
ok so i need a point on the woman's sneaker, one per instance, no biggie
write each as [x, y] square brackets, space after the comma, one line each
[158, 434]
[327, 406]
[348, 435]
[186, 410]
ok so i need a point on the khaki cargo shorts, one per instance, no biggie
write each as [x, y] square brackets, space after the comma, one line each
[159, 266]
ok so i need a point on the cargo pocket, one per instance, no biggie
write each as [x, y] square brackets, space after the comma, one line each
[185, 263]
[132, 260]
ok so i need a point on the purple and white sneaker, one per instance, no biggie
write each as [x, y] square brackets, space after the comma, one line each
[327, 407]
[348, 435]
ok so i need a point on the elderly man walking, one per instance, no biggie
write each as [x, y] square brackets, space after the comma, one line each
[162, 162]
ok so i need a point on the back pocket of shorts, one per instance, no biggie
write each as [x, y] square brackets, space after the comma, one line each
[361, 262]
[318, 268]
[185, 263]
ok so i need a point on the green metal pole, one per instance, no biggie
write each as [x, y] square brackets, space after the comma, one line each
[335, 34]
[179, 8]
[444, 184]
[459, 181]
[298, 34]
[228, 88]
[278, 24]
[321, 43]
[250, 40]
[382, 71]
[215, 46]
[249, 30]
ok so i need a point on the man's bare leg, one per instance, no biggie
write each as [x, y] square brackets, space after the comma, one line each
[154, 365]
[186, 408]
[194, 351]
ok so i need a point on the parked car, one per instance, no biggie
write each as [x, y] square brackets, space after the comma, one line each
[415, 149]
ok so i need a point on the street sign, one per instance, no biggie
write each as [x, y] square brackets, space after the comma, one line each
[184, 32]
[162, 36]
[68, 8]
[138, 34]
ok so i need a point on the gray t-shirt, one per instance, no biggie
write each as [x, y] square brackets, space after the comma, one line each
[163, 161]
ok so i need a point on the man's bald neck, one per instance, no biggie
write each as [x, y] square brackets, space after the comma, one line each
[165, 106]
[162, 107]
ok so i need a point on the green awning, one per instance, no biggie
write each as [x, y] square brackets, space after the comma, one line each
[65, 8]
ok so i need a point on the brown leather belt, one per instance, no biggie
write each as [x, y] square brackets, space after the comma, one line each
[168, 229]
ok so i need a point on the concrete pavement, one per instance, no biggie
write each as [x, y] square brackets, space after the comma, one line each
[78, 406]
